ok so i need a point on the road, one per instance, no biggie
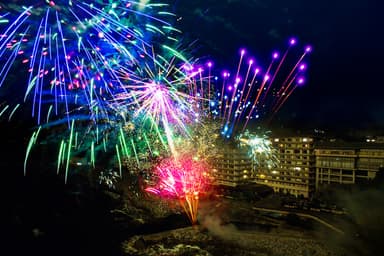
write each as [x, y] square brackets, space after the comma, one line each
[304, 215]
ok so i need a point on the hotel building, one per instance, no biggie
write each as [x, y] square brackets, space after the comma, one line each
[348, 163]
[304, 165]
[295, 170]
[233, 166]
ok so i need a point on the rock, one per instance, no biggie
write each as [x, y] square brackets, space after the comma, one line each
[177, 250]
[134, 245]
[139, 244]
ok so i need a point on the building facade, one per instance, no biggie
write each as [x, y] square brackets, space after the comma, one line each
[295, 171]
[233, 166]
[346, 164]
[335, 166]
[303, 165]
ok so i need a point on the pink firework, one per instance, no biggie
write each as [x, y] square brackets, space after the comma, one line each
[185, 179]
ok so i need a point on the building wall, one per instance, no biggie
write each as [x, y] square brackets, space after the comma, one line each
[335, 166]
[347, 166]
[233, 166]
[295, 171]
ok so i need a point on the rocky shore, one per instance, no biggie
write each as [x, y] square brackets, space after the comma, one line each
[202, 242]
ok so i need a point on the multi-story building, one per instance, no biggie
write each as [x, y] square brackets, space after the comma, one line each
[369, 162]
[233, 166]
[347, 163]
[303, 165]
[295, 171]
[335, 166]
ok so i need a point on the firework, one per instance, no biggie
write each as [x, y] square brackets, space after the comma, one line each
[249, 93]
[260, 149]
[161, 92]
[124, 144]
[185, 179]
[108, 178]
[204, 140]
[74, 52]
[69, 49]
[141, 122]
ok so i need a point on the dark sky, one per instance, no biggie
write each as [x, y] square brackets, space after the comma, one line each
[345, 83]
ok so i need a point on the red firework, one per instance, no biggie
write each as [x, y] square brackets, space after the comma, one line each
[183, 178]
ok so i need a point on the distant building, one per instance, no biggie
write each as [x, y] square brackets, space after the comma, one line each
[335, 166]
[374, 139]
[370, 160]
[347, 163]
[295, 172]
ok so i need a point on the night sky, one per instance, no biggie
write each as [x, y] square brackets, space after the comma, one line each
[344, 85]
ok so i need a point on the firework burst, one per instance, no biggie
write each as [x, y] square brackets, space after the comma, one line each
[73, 52]
[161, 92]
[70, 49]
[185, 179]
[251, 93]
[260, 149]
